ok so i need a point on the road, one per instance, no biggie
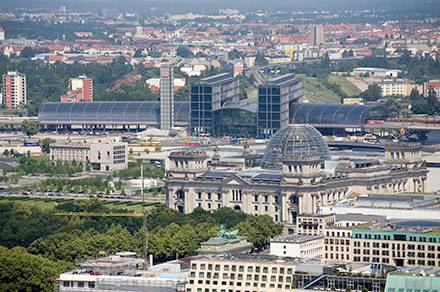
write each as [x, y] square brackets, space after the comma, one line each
[157, 199]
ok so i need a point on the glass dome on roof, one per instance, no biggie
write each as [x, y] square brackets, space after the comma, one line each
[294, 140]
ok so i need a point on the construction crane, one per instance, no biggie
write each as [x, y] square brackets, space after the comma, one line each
[96, 214]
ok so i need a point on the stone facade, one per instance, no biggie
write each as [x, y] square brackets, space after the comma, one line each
[301, 187]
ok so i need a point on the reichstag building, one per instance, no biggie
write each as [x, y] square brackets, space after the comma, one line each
[293, 180]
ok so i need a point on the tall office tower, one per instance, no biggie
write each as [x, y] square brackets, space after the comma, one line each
[85, 85]
[208, 95]
[274, 99]
[166, 98]
[316, 34]
[14, 89]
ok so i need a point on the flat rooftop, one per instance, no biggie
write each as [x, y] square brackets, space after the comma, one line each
[296, 238]
[288, 78]
[215, 79]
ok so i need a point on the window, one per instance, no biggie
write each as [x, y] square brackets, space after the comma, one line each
[265, 270]
[274, 270]
[250, 269]
[80, 284]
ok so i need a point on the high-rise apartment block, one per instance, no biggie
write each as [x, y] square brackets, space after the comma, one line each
[316, 34]
[85, 85]
[14, 89]
[208, 95]
[274, 99]
[2, 34]
[166, 97]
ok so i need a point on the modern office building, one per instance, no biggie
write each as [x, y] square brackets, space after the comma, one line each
[109, 156]
[275, 97]
[166, 98]
[105, 157]
[316, 34]
[240, 273]
[297, 246]
[300, 186]
[85, 85]
[14, 89]
[208, 95]
[401, 244]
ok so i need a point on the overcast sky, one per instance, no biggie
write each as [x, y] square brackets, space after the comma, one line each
[307, 5]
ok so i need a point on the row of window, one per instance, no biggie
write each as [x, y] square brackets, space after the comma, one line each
[411, 290]
[233, 268]
[231, 276]
[279, 286]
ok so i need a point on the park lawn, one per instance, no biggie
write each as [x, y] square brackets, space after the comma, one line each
[49, 203]
[346, 86]
[37, 202]
[318, 92]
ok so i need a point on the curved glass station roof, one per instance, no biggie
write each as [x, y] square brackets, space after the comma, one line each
[294, 140]
[110, 112]
[308, 113]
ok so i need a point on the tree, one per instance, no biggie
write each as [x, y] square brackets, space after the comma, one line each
[431, 101]
[29, 128]
[21, 271]
[76, 189]
[393, 106]
[325, 60]
[155, 192]
[93, 190]
[184, 52]
[372, 93]
[45, 145]
[158, 148]
[27, 52]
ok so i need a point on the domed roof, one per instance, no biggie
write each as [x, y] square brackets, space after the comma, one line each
[294, 140]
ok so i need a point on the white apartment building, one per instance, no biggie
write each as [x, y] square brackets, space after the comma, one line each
[393, 87]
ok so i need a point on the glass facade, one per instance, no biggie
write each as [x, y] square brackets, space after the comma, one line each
[274, 99]
[235, 123]
[294, 140]
[201, 109]
[142, 112]
[269, 110]
[307, 113]
[208, 95]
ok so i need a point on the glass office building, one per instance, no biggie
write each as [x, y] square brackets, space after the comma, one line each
[274, 99]
[208, 95]
[237, 119]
